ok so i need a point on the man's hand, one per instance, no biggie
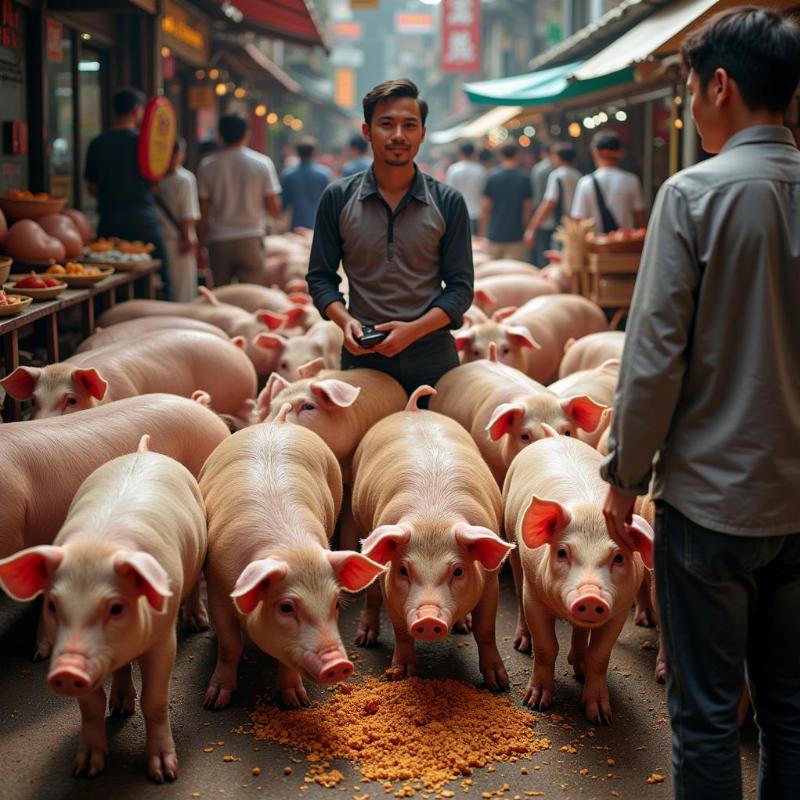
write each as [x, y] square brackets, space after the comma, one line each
[352, 331]
[618, 513]
[401, 335]
[529, 236]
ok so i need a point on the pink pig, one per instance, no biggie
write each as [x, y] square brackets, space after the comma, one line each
[134, 328]
[499, 291]
[293, 310]
[433, 511]
[503, 266]
[323, 340]
[591, 351]
[573, 570]
[272, 494]
[171, 361]
[130, 549]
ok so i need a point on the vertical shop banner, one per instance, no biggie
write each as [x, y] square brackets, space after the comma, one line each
[55, 47]
[461, 36]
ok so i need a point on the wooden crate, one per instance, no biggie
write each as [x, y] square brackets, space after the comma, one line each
[612, 277]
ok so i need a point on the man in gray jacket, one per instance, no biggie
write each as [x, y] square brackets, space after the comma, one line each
[710, 381]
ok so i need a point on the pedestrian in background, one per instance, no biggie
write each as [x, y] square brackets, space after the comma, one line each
[611, 196]
[486, 159]
[540, 172]
[359, 159]
[709, 381]
[125, 199]
[556, 201]
[238, 187]
[506, 206]
[469, 177]
[302, 185]
[400, 235]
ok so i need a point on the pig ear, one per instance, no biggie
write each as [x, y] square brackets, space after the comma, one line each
[147, 575]
[255, 578]
[492, 351]
[384, 542]
[353, 570]
[294, 316]
[583, 411]
[239, 341]
[144, 444]
[21, 382]
[92, 381]
[420, 391]
[543, 521]
[483, 545]
[549, 431]
[311, 368]
[275, 385]
[271, 319]
[202, 397]
[464, 339]
[503, 419]
[484, 298]
[335, 393]
[27, 573]
[571, 341]
[503, 313]
[207, 296]
[521, 337]
[270, 341]
[643, 534]
[282, 413]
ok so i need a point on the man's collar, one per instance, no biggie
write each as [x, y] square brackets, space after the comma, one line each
[417, 189]
[756, 134]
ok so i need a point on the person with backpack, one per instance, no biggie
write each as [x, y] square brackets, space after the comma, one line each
[611, 196]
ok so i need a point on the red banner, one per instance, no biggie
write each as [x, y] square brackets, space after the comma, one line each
[461, 36]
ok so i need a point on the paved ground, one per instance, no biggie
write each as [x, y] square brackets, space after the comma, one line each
[38, 730]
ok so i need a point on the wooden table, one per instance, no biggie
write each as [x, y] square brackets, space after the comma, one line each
[44, 316]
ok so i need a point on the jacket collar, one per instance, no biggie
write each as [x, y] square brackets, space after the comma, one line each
[417, 190]
[760, 134]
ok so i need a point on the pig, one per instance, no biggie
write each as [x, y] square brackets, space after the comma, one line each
[500, 291]
[591, 351]
[558, 274]
[171, 361]
[286, 261]
[131, 548]
[234, 321]
[432, 513]
[323, 340]
[134, 328]
[553, 499]
[504, 266]
[532, 338]
[272, 495]
[598, 383]
[290, 311]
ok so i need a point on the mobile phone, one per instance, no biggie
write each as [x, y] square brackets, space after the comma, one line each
[370, 337]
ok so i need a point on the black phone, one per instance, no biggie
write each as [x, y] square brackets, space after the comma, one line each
[370, 337]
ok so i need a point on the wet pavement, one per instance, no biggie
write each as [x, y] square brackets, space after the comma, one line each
[39, 730]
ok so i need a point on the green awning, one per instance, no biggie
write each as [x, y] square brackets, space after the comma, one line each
[543, 87]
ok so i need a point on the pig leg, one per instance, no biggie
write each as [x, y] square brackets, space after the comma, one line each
[404, 657]
[483, 622]
[290, 685]
[369, 623]
[463, 625]
[44, 639]
[577, 651]
[92, 744]
[122, 699]
[195, 615]
[348, 530]
[645, 611]
[156, 665]
[595, 690]
[661, 662]
[541, 685]
[522, 635]
[229, 649]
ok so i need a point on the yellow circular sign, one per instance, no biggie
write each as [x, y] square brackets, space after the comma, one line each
[157, 138]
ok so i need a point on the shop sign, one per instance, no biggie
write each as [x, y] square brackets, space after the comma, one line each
[201, 97]
[55, 47]
[355, 4]
[156, 138]
[9, 25]
[186, 33]
[347, 30]
[406, 22]
[461, 36]
[344, 82]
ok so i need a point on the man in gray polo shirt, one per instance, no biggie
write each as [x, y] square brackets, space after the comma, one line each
[404, 241]
[710, 380]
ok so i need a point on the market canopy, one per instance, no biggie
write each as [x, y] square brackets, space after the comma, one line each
[476, 128]
[293, 20]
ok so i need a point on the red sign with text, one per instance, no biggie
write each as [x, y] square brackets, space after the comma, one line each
[461, 36]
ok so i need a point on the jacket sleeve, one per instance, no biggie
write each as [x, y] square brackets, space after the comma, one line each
[656, 341]
[326, 252]
[455, 261]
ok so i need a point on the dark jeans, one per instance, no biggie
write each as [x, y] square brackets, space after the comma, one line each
[542, 241]
[423, 362]
[726, 601]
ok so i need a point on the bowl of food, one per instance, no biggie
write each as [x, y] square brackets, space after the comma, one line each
[37, 287]
[11, 304]
[19, 204]
[5, 268]
[75, 274]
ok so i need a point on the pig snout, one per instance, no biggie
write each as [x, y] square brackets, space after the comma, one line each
[71, 675]
[330, 667]
[429, 623]
[588, 606]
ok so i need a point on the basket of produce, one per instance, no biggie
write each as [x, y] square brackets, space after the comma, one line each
[5, 268]
[76, 275]
[37, 287]
[19, 204]
[616, 241]
[11, 304]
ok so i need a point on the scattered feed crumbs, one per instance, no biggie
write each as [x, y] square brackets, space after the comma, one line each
[426, 730]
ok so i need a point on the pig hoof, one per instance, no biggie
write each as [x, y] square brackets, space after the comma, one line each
[162, 766]
[644, 617]
[368, 629]
[598, 709]
[661, 671]
[496, 679]
[90, 761]
[122, 704]
[196, 621]
[217, 697]
[522, 640]
[43, 650]
[295, 697]
[398, 672]
[463, 625]
[537, 697]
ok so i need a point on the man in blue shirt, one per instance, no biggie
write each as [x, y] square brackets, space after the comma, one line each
[302, 185]
[359, 160]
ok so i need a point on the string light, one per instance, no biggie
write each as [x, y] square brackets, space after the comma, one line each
[200, 74]
[272, 118]
[221, 89]
[574, 129]
[261, 110]
[524, 141]
[239, 93]
[165, 52]
[213, 74]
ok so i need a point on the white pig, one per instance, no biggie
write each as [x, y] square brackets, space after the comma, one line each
[432, 510]
[573, 570]
[134, 328]
[290, 311]
[323, 340]
[130, 549]
[272, 495]
[498, 291]
[591, 351]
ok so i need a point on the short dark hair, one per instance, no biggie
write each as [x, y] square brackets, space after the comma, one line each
[180, 144]
[305, 147]
[233, 127]
[607, 140]
[125, 100]
[467, 149]
[508, 150]
[400, 87]
[358, 142]
[485, 155]
[758, 48]
[565, 151]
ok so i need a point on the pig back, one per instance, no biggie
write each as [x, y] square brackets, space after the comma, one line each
[133, 328]
[591, 351]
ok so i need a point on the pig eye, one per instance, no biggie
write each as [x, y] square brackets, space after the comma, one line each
[307, 407]
[618, 558]
[116, 609]
[71, 401]
[284, 365]
[458, 572]
[505, 350]
[403, 571]
[525, 437]
[286, 607]
[566, 432]
[562, 552]
[51, 606]
[476, 353]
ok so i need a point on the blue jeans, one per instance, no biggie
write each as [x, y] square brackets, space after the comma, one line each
[726, 601]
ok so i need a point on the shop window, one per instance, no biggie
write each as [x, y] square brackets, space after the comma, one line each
[13, 108]
[60, 135]
[91, 76]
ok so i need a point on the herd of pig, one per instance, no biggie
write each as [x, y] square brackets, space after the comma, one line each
[114, 512]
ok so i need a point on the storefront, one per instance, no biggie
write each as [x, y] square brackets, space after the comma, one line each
[14, 158]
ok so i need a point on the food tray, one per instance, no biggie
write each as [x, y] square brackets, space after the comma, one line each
[615, 246]
[10, 311]
[84, 280]
[121, 266]
[15, 210]
[36, 294]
